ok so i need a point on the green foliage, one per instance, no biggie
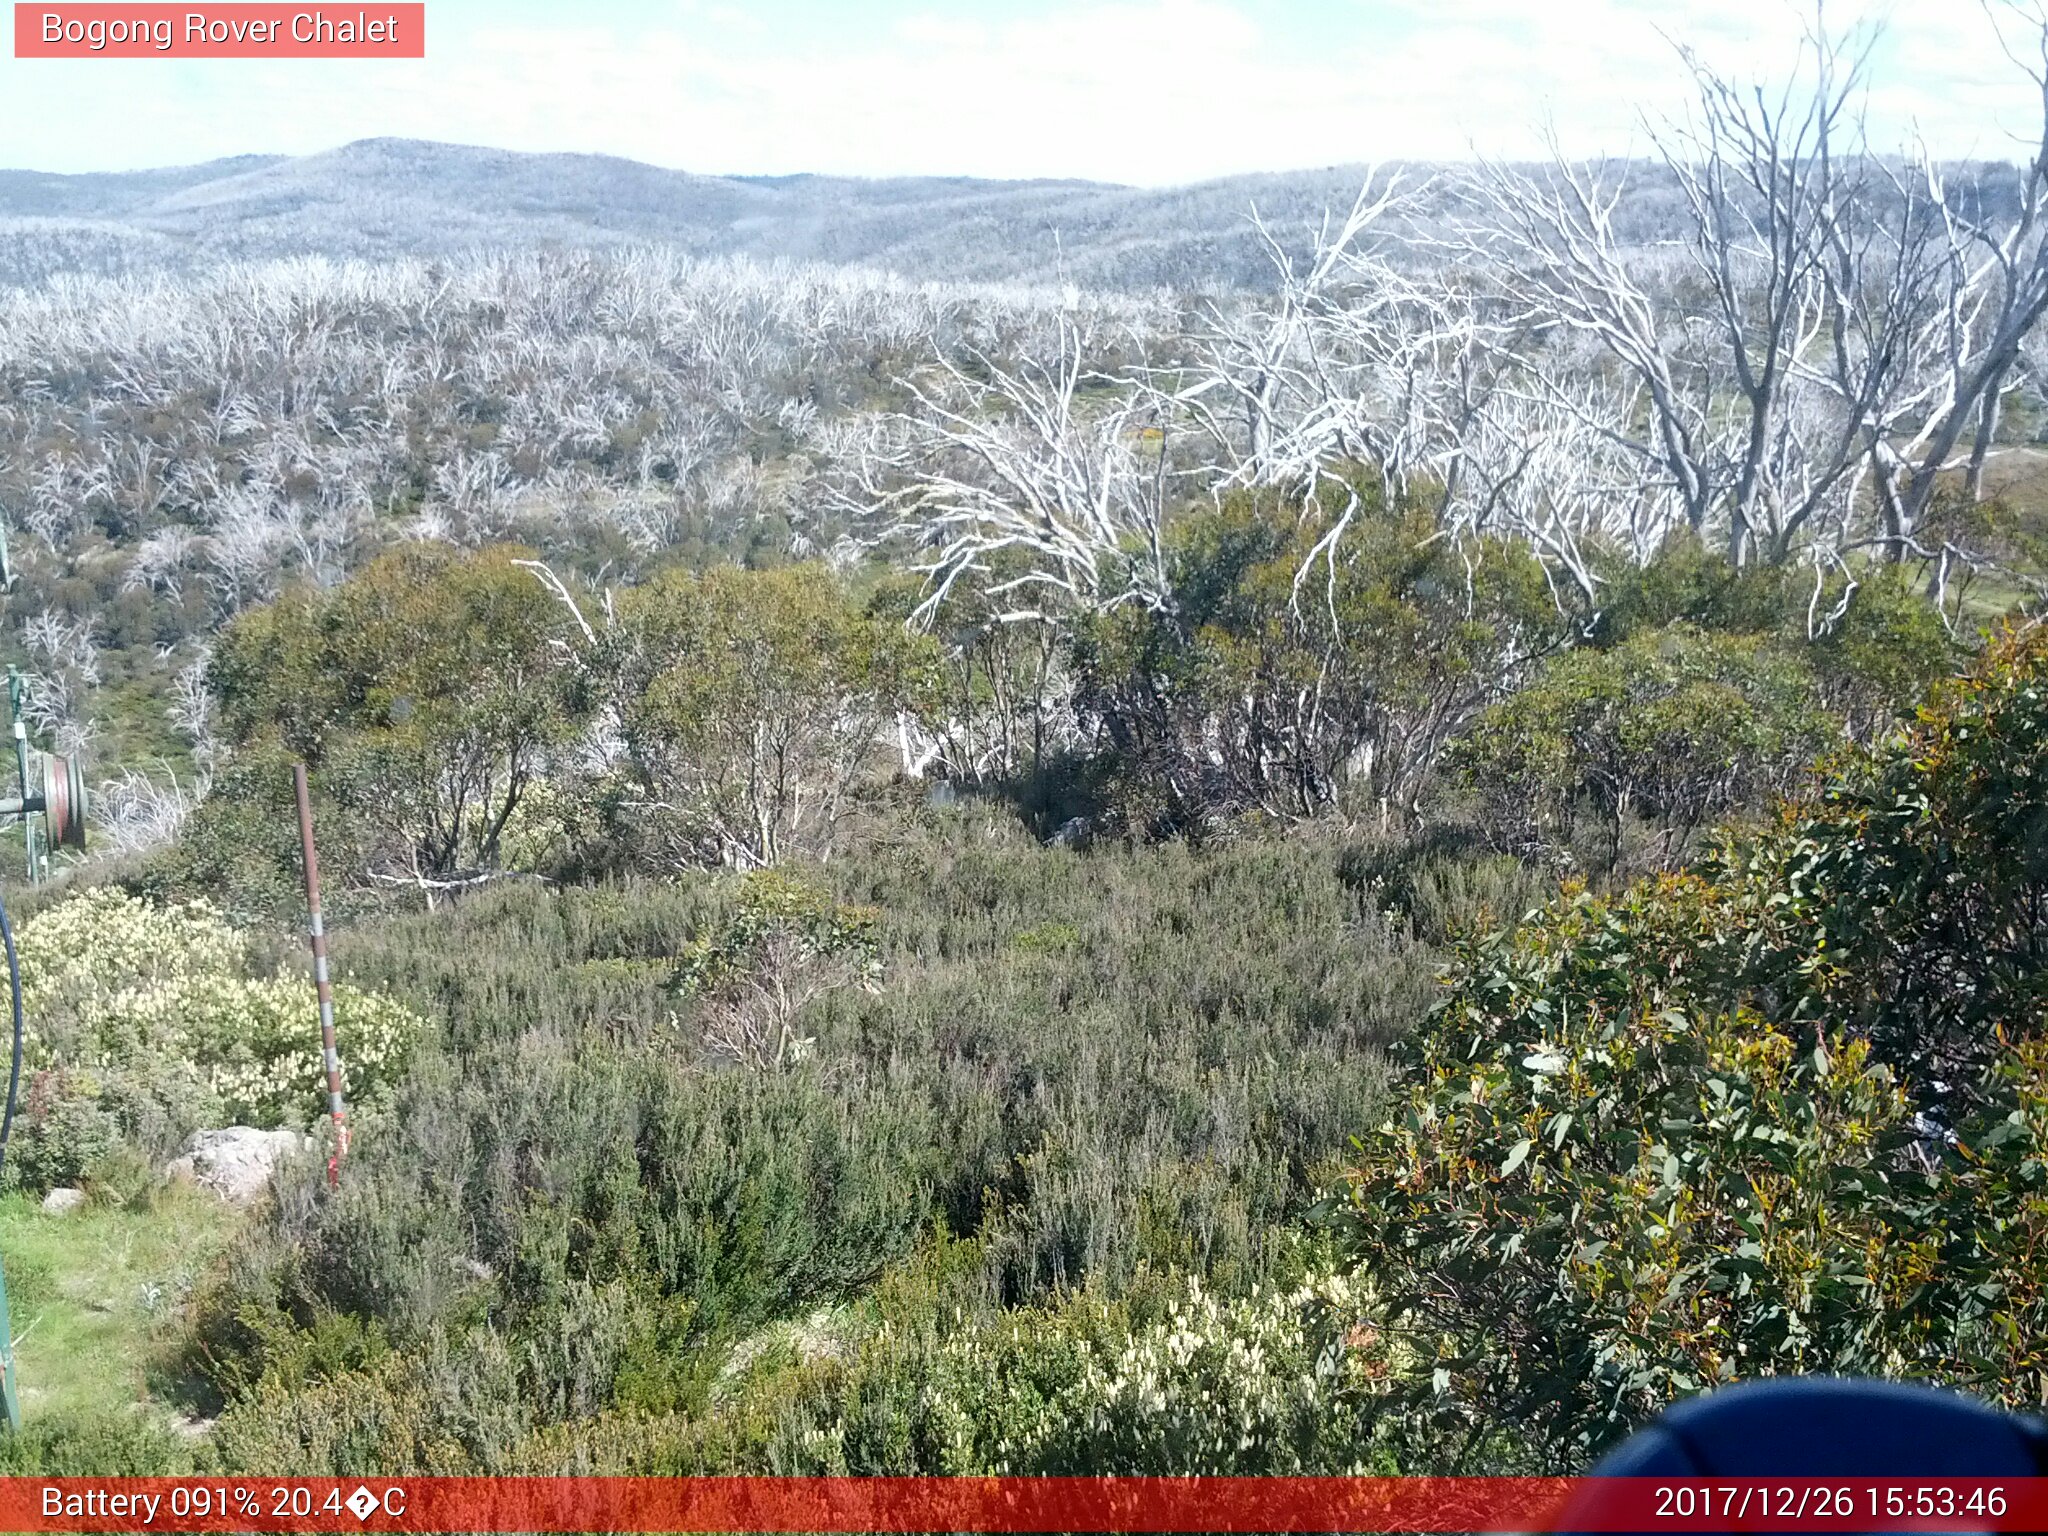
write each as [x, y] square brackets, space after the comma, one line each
[1651, 1141]
[994, 691]
[1605, 1194]
[94, 1445]
[427, 692]
[62, 1132]
[79, 954]
[1666, 1140]
[258, 1044]
[1917, 910]
[1445, 893]
[1676, 725]
[776, 907]
[1159, 1089]
[1882, 655]
[1787, 1111]
[1975, 1238]
[1288, 669]
[751, 703]
[787, 944]
[1690, 584]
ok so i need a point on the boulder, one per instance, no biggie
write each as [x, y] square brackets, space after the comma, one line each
[62, 1202]
[235, 1163]
[1073, 833]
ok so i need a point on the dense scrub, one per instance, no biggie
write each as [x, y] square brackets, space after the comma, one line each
[1049, 1163]
[776, 1095]
[1087, 1069]
[885, 840]
[1783, 1112]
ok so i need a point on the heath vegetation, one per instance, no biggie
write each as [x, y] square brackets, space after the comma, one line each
[1385, 871]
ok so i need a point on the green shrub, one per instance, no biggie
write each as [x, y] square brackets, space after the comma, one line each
[1689, 584]
[1290, 672]
[82, 953]
[132, 1444]
[1606, 1193]
[750, 705]
[152, 1003]
[61, 1131]
[425, 659]
[1671, 1139]
[1446, 894]
[1676, 725]
[567, 1167]
[786, 945]
[1883, 654]
[1918, 885]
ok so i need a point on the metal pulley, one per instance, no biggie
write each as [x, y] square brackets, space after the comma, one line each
[64, 800]
[57, 794]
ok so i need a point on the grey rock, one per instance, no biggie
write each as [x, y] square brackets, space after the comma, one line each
[1073, 833]
[236, 1163]
[62, 1202]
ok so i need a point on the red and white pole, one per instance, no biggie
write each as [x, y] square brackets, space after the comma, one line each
[322, 984]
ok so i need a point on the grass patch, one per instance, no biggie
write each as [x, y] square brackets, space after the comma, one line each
[93, 1295]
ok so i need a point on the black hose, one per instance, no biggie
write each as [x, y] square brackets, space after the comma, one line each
[14, 1066]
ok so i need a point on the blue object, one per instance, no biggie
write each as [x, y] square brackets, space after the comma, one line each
[1825, 1427]
[1832, 1427]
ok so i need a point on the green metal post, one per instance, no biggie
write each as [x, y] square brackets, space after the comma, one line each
[8, 1389]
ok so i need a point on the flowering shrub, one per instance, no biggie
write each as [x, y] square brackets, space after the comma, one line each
[1252, 1385]
[86, 950]
[1276, 1382]
[114, 985]
[258, 1042]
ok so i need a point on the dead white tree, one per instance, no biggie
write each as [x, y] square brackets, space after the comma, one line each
[139, 811]
[1046, 482]
[1995, 241]
[1258, 379]
[1839, 337]
[61, 679]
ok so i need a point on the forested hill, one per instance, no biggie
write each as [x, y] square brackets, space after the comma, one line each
[392, 197]
[385, 198]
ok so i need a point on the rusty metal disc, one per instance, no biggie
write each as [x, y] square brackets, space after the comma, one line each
[64, 801]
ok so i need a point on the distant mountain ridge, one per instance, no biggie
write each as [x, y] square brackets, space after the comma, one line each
[393, 197]
[385, 198]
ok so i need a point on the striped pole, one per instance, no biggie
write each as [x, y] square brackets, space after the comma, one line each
[321, 984]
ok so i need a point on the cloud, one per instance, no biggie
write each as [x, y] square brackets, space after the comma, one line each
[1148, 91]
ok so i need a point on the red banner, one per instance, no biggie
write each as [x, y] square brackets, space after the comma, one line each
[1018, 1504]
[377, 31]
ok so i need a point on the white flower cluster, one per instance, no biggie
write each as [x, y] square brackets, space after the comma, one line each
[88, 947]
[1207, 1384]
[110, 981]
[1265, 1383]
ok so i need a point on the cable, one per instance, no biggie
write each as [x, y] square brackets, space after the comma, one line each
[14, 1067]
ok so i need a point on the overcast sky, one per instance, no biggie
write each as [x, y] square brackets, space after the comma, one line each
[1144, 91]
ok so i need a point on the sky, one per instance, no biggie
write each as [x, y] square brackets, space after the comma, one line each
[1149, 92]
